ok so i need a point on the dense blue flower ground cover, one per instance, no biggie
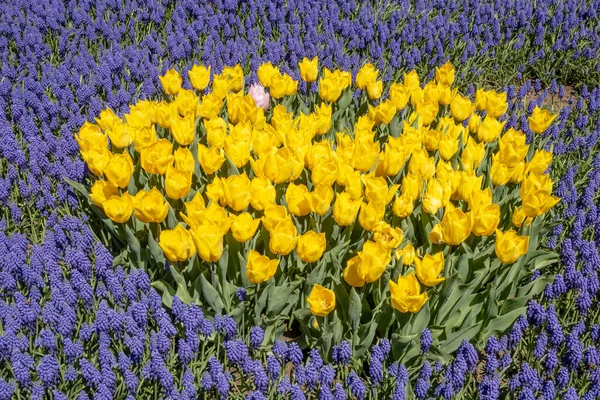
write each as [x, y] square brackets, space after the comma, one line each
[73, 324]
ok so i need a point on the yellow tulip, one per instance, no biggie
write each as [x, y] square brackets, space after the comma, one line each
[455, 225]
[435, 234]
[283, 85]
[262, 193]
[311, 246]
[481, 98]
[540, 120]
[489, 129]
[324, 112]
[309, 69]
[211, 159]
[218, 215]
[474, 122]
[383, 113]
[421, 164]
[510, 247]
[241, 108]
[183, 129]
[411, 80]
[234, 77]
[177, 183]
[208, 239]
[211, 106]
[188, 104]
[143, 137]
[447, 148]
[366, 153]
[236, 190]
[273, 215]
[429, 268]
[150, 206]
[446, 94]
[407, 254]
[519, 218]
[496, 104]
[171, 82]
[284, 237]
[403, 206]
[101, 191]
[473, 154]
[320, 199]
[184, 160]
[215, 191]
[371, 214]
[436, 196]
[157, 157]
[345, 208]
[512, 148]
[324, 172]
[296, 197]
[374, 258]
[367, 74]
[266, 72]
[194, 209]
[177, 244]
[260, 268]
[399, 95]
[485, 219]
[244, 227]
[238, 151]
[540, 162]
[468, 184]
[279, 165]
[499, 171]
[97, 159]
[387, 237]
[216, 132]
[406, 295]
[199, 76]
[351, 272]
[461, 107]
[445, 74]
[377, 190]
[119, 169]
[120, 135]
[107, 119]
[536, 203]
[118, 208]
[321, 301]
[412, 185]
[431, 139]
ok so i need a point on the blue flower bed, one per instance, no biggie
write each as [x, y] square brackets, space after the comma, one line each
[75, 323]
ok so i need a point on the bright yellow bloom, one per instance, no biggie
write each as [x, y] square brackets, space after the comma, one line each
[260, 268]
[91, 137]
[236, 190]
[429, 268]
[183, 129]
[244, 227]
[119, 169]
[188, 104]
[194, 209]
[273, 215]
[296, 197]
[150, 206]
[107, 119]
[367, 74]
[538, 202]
[309, 69]
[496, 104]
[266, 72]
[485, 219]
[512, 148]
[284, 237]
[118, 208]
[455, 225]
[120, 135]
[177, 183]
[510, 247]
[421, 164]
[377, 190]
[235, 77]
[540, 120]
[351, 272]
[177, 244]
[403, 206]
[411, 80]
[345, 208]
[101, 191]
[445, 74]
[208, 238]
[320, 199]
[519, 217]
[489, 129]
[371, 214]
[387, 237]
[262, 193]
[321, 301]
[461, 107]
[473, 154]
[157, 157]
[211, 159]
[436, 196]
[283, 85]
[407, 254]
[171, 82]
[399, 95]
[539, 162]
[184, 160]
[311, 246]
[199, 76]
[406, 295]
[374, 258]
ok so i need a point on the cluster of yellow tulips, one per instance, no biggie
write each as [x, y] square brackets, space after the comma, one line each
[290, 166]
